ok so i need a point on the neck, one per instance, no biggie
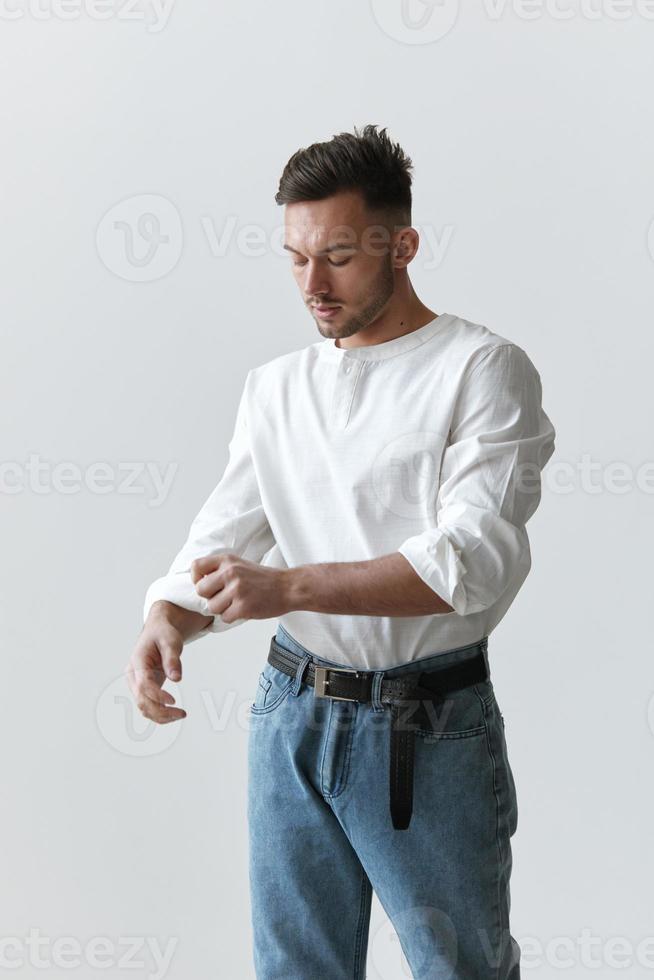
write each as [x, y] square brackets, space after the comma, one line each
[402, 315]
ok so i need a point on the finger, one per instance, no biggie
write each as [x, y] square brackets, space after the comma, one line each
[171, 660]
[148, 681]
[231, 613]
[220, 601]
[202, 566]
[211, 583]
[158, 712]
[163, 718]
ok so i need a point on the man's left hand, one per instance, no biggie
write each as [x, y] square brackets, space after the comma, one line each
[239, 589]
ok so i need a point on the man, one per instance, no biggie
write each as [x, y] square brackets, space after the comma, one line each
[375, 499]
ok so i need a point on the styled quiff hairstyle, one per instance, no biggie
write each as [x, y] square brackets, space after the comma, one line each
[365, 160]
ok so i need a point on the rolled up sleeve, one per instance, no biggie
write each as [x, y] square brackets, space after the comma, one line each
[231, 520]
[490, 484]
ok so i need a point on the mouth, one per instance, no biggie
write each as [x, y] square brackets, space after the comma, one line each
[325, 312]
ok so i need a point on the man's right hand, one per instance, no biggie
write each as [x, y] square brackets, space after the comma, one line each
[157, 658]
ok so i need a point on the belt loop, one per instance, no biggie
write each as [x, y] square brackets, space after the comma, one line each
[484, 650]
[299, 673]
[375, 690]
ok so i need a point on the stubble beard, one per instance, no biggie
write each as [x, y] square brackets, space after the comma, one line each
[380, 293]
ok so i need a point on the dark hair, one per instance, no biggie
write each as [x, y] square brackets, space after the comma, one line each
[367, 161]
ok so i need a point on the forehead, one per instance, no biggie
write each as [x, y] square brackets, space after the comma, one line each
[313, 225]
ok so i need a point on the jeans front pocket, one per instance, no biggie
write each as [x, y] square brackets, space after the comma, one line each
[272, 687]
[457, 714]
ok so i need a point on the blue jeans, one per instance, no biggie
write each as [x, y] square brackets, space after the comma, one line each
[321, 837]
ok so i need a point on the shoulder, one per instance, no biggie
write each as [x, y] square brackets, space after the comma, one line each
[482, 351]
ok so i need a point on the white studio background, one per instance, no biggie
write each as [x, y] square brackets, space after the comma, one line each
[125, 343]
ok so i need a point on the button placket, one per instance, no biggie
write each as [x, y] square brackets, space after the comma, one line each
[345, 383]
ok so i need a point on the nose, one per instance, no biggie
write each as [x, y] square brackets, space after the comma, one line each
[315, 282]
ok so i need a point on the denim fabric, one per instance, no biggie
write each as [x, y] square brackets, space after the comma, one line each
[321, 837]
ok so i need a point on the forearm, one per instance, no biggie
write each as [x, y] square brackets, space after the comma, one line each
[386, 586]
[186, 621]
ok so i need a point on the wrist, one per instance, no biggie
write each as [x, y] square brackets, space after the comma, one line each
[294, 588]
[185, 621]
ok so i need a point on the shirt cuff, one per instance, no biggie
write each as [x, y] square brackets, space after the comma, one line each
[178, 587]
[439, 566]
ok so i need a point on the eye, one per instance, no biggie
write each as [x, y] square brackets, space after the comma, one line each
[300, 262]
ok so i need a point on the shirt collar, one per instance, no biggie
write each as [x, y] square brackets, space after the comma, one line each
[389, 348]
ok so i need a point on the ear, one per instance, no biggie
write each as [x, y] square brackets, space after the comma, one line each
[406, 246]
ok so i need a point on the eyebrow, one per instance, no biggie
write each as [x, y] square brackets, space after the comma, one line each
[339, 247]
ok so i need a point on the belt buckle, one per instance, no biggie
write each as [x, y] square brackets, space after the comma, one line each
[321, 681]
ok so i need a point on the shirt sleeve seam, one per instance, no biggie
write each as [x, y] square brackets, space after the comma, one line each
[487, 354]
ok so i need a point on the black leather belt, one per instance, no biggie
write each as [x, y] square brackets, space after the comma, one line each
[406, 696]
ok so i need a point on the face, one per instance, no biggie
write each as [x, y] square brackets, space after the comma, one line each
[341, 261]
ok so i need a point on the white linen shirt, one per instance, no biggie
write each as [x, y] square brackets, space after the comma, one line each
[431, 444]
